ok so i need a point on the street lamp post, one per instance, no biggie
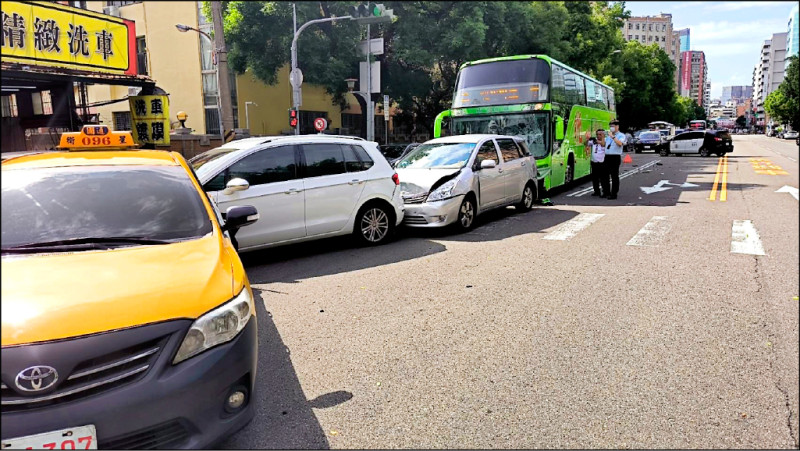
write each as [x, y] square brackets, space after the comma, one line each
[183, 29]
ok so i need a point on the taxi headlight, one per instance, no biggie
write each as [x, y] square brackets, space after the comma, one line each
[217, 326]
[443, 192]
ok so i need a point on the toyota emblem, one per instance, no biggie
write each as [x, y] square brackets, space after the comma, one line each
[36, 378]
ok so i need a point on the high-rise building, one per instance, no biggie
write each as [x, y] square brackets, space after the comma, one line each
[694, 77]
[655, 29]
[736, 94]
[769, 72]
[793, 33]
[684, 39]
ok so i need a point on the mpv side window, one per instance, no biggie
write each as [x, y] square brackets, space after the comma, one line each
[486, 152]
[324, 159]
[366, 161]
[216, 184]
[508, 148]
[271, 165]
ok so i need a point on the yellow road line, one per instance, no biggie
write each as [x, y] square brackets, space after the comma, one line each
[723, 196]
[716, 181]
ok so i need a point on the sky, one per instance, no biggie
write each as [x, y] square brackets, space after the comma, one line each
[730, 33]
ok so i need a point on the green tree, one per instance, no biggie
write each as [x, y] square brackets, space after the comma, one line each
[649, 86]
[790, 87]
[778, 106]
[741, 122]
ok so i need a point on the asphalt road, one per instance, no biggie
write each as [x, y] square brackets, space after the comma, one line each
[499, 338]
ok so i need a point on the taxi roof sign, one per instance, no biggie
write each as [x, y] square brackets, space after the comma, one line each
[96, 137]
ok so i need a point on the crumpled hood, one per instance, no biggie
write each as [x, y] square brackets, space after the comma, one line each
[62, 295]
[419, 181]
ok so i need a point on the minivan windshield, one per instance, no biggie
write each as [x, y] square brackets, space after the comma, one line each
[99, 206]
[437, 156]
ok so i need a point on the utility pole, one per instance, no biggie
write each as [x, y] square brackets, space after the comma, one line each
[222, 69]
[370, 106]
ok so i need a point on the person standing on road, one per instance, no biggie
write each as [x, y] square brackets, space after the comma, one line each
[613, 158]
[599, 177]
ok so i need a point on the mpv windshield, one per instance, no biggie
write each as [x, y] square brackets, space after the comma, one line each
[94, 205]
[437, 156]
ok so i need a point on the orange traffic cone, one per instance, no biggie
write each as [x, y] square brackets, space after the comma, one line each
[627, 159]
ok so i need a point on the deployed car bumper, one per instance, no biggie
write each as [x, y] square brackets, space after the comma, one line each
[162, 406]
[433, 214]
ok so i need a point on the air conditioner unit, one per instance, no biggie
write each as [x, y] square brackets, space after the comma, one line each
[111, 10]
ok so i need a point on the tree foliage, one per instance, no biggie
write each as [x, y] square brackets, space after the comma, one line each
[778, 106]
[789, 105]
[429, 40]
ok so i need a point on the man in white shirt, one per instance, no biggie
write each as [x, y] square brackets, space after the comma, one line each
[599, 176]
[613, 159]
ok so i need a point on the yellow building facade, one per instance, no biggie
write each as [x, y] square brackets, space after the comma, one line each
[181, 65]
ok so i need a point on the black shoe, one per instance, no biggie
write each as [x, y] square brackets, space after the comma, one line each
[612, 197]
[603, 196]
[596, 194]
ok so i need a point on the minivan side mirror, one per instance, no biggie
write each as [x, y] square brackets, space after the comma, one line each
[488, 164]
[559, 128]
[239, 216]
[237, 184]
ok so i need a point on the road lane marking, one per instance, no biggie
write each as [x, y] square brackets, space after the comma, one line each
[652, 234]
[723, 195]
[625, 174]
[571, 228]
[764, 166]
[789, 189]
[713, 195]
[745, 239]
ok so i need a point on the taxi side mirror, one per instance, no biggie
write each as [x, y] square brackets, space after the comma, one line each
[239, 216]
[237, 184]
[559, 128]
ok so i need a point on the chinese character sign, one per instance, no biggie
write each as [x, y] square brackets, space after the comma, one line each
[55, 35]
[150, 116]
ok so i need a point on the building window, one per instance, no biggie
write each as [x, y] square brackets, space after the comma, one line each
[637, 28]
[42, 104]
[651, 29]
[637, 38]
[10, 106]
[629, 38]
[630, 27]
[663, 39]
[351, 124]
[649, 39]
[141, 55]
[120, 3]
[122, 120]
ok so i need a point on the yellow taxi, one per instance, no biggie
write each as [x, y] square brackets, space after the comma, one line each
[127, 317]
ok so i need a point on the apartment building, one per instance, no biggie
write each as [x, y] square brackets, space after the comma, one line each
[769, 71]
[694, 77]
[655, 29]
[793, 33]
[738, 94]
[683, 36]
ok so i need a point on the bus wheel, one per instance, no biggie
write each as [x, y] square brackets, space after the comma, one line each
[569, 176]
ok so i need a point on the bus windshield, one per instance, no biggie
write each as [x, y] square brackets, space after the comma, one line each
[503, 83]
[532, 127]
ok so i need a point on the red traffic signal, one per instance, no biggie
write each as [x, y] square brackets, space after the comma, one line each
[292, 118]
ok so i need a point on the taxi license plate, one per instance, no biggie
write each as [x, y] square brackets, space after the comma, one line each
[80, 437]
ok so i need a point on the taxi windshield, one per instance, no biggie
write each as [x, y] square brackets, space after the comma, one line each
[104, 206]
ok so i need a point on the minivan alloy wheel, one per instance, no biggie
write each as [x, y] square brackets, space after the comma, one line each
[466, 214]
[374, 225]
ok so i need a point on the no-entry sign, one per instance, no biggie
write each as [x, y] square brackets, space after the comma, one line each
[320, 124]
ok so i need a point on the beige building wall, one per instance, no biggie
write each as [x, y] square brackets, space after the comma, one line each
[173, 59]
[655, 29]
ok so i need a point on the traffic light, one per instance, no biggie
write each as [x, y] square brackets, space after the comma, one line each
[369, 13]
[292, 117]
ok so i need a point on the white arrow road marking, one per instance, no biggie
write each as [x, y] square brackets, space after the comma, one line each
[652, 233]
[745, 239]
[629, 173]
[571, 228]
[789, 189]
[655, 188]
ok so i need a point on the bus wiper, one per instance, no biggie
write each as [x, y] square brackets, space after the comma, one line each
[90, 240]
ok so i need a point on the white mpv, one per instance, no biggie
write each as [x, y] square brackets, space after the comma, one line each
[304, 187]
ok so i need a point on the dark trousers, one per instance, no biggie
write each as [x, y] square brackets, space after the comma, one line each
[599, 178]
[612, 163]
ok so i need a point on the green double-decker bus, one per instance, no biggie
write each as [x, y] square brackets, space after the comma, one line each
[554, 107]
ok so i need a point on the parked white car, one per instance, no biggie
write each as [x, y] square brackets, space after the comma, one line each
[451, 180]
[791, 134]
[304, 187]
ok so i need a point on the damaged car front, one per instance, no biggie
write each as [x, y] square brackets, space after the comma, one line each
[434, 178]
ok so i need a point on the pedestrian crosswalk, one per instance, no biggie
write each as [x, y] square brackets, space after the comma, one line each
[744, 236]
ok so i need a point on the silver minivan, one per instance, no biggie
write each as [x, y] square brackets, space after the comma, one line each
[451, 180]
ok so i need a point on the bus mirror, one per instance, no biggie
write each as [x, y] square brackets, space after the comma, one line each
[559, 128]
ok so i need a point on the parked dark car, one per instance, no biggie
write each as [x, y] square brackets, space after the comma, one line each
[649, 140]
[394, 152]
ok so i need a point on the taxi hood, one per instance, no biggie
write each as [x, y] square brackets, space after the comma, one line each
[61, 295]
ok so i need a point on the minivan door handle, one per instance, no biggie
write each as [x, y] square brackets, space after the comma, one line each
[292, 191]
[523, 163]
[354, 181]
